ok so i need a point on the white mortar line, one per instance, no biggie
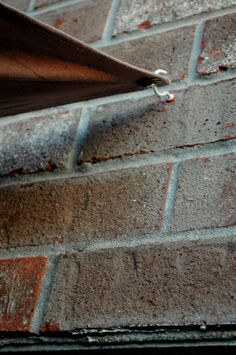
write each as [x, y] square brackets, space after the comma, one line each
[208, 235]
[156, 29]
[166, 27]
[196, 50]
[214, 236]
[170, 198]
[174, 155]
[52, 7]
[111, 18]
[79, 139]
[31, 5]
[44, 296]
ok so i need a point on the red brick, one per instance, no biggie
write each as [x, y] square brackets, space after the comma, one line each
[35, 214]
[206, 195]
[134, 13]
[20, 284]
[199, 115]
[103, 206]
[85, 20]
[184, 283]
[170, 51]
[218, 46]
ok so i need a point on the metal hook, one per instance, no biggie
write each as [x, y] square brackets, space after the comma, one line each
[161, 71]
[167, 94]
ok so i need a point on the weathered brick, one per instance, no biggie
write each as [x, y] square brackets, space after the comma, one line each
[218, 45]
[199, 115]
[44, 3]
[20, 284]
[206, 194]
[107, 205]
[85, 20]
[170, 51]
[35, 214]
[40, 143]
[165, 284]
[142, 14]
[19, 4]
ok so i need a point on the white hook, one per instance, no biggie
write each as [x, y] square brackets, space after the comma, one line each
[169, 95]
[162, 94]
[161, 71]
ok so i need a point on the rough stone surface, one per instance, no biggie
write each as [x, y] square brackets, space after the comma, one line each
[19, 4]
[35, 214]
[170, 51]
[103, 206]
[20, 284]
[218, 46]
[206, 195]
[44, 3]
[163, 284]
[143, 14]
[199, 115]
[177, 263]
[40, 143]
[85, 20]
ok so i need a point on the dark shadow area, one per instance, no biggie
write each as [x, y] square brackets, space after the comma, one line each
[211, 350]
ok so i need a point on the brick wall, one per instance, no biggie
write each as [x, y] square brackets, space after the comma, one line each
[120, 213]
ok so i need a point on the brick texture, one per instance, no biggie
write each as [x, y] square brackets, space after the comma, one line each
[218, 46]
[19, 4]
[44, 3]
[136, 241]
[35, 214]
[20, 284]
[143, 14]
[41, 143]
[170, 51]
[162, 285]
[106, 206]
[206, 195]
[85, 20]
[199, 115]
